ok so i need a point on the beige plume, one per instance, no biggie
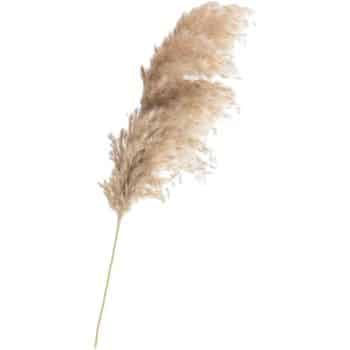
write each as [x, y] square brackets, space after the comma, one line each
[181, 102]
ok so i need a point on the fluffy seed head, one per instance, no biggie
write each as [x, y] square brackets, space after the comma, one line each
[167, 135]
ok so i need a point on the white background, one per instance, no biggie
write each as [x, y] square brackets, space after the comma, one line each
[255, 258]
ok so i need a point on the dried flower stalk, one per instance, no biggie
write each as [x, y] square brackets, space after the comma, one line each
[167, 135]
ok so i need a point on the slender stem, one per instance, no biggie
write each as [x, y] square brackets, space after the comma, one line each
[107, 281]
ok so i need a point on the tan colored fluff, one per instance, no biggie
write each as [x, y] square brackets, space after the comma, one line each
[179, 106]
[167, 135]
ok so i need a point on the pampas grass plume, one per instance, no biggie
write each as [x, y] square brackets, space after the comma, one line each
[181, 101]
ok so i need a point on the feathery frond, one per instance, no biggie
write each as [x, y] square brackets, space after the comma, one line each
[180, 104]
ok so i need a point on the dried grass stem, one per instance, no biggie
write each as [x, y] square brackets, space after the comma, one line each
[107, 281]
